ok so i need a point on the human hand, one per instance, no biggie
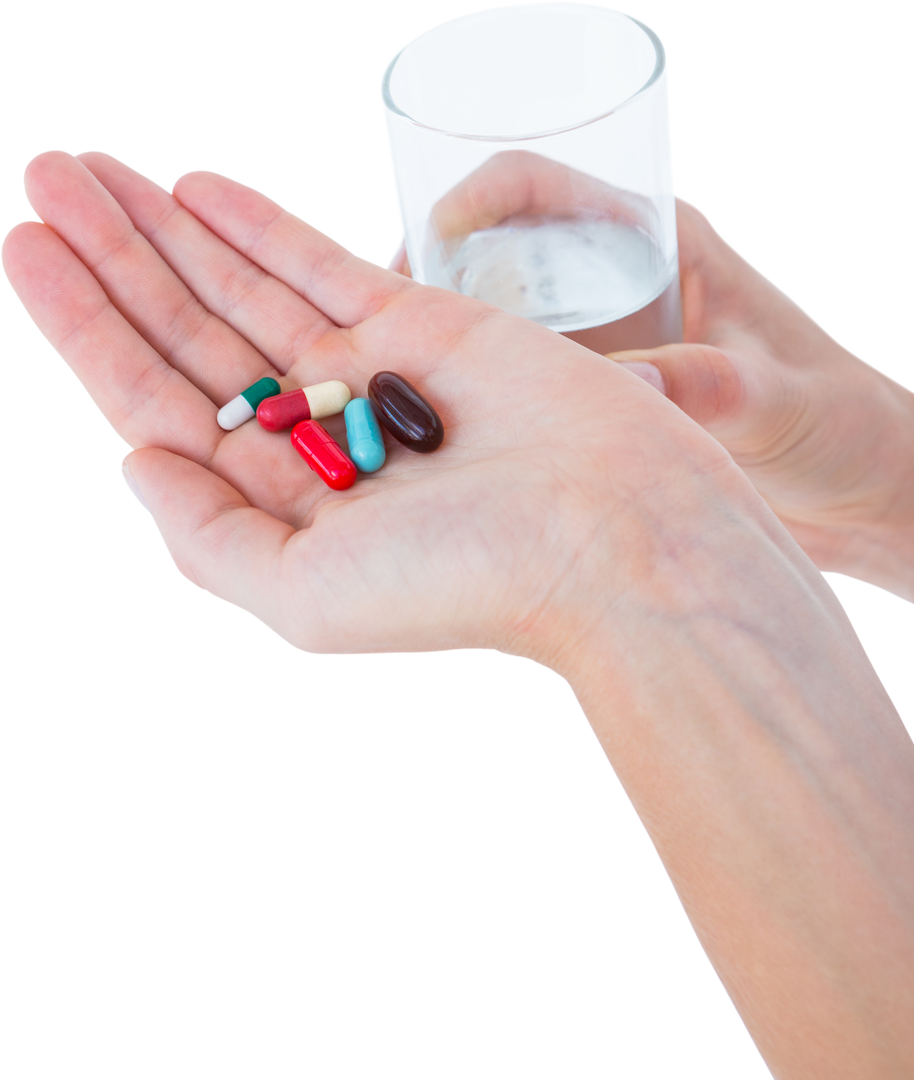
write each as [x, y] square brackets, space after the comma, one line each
[166, 307]
[573, 515]
[827, 440]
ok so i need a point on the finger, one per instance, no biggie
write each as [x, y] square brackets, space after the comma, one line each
[147, 401]
[650, 373]
[518, 182]
[400, 262]
[345, 288]
[703, 381]
[278, 322]
[139, 283]
[216, 538]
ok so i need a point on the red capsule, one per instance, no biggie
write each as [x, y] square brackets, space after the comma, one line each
[323, 455]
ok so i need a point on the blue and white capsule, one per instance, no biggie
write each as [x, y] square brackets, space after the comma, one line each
[363, 432]
[244, 407]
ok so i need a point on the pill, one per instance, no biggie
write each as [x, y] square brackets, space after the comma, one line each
[366, 443]
[244, 406]
[314, 402]
[323, 455]
[405, 412]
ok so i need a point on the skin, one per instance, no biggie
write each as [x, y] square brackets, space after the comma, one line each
[573, 515]
[827, 440]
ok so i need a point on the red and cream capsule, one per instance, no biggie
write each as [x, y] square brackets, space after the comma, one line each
[323, 455]
[313, 403]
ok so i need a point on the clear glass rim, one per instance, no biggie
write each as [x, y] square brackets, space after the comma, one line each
[659, 66]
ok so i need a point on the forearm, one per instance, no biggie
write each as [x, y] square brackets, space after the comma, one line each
[777, 783]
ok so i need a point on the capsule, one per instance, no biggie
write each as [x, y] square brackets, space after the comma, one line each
[366, 443]
[405, 412]
[244, 406]
[323, 455]
[313, 403]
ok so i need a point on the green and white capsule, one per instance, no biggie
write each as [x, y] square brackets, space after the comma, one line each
[244, 407]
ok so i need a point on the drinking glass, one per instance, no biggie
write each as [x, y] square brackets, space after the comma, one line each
[531, 152]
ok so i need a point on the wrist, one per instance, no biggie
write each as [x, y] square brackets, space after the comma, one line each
[742, 717]
[662, 560]
[868, 532]
[879, 553]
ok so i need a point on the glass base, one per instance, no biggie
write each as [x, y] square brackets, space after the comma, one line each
[658, 323]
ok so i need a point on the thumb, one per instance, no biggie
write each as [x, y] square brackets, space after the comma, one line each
[701, 380]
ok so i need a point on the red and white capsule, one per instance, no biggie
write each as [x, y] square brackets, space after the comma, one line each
[284, 411]
[324, 455]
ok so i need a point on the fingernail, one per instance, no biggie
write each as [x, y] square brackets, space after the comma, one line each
[129, 482]
[648, 372]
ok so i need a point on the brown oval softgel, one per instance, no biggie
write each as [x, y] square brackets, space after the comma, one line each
[405, 412]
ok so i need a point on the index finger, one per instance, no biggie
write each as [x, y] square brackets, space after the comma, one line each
[345, 288]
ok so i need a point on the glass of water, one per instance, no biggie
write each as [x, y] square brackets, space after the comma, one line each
[532, 159]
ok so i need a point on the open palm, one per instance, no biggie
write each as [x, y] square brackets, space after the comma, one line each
[167, 306]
